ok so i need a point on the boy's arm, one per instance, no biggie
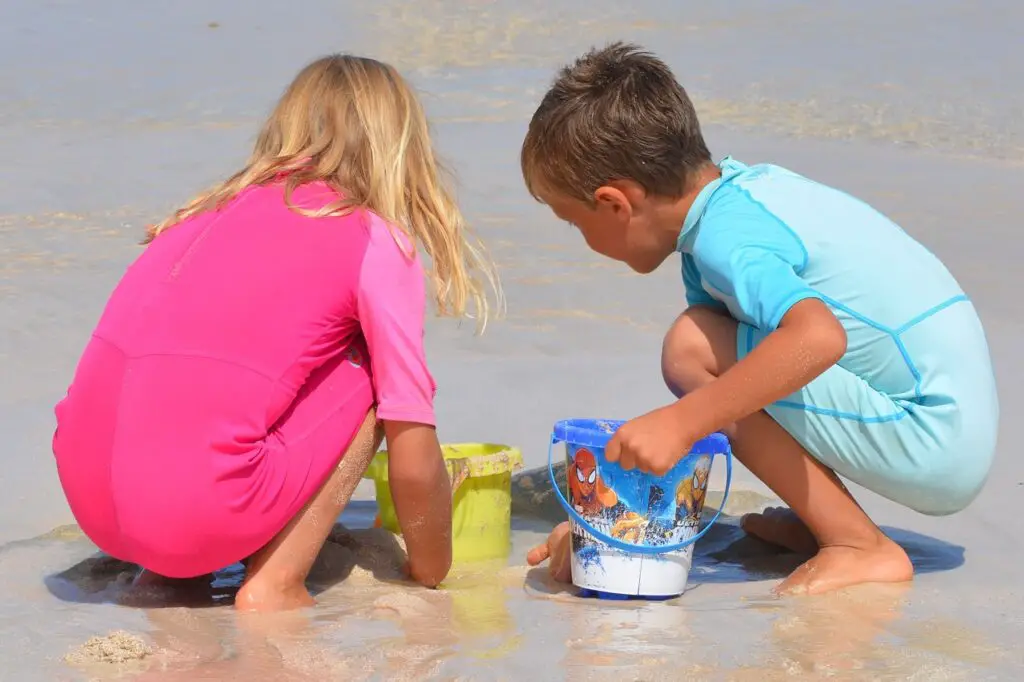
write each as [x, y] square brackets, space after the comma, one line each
[807, 342]
[756, 262]
[422, 495]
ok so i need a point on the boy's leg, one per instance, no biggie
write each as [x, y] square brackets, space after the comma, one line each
[275, 575]
[851, 549]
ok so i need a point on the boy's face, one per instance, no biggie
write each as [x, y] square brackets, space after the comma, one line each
[623, 224]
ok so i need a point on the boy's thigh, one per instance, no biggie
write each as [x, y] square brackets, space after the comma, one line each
[866, 437]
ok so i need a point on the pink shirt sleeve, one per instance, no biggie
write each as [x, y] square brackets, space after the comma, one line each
[391, 310]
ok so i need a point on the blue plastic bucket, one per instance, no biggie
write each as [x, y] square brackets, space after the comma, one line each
[632, 532]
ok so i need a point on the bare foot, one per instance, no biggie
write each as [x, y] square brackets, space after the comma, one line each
[780, 526]
[257, 595]
[558, 548]
[834, 568]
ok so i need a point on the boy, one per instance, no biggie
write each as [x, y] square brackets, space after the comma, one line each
[817, 334]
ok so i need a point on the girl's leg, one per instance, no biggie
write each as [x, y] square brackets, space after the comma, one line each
[275, 575]
[851, 549]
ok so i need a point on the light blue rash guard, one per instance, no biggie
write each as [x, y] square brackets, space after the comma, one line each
[910, 411]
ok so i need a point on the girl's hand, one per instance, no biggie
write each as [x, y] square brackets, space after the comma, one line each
[423, 502]
[558, 548]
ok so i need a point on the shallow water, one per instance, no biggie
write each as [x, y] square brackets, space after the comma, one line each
[113, 112]
[497, 613]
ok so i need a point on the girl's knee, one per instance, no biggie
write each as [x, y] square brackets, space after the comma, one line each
[699, 346]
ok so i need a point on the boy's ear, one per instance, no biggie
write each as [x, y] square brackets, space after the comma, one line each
[610, 197]
[620, 194]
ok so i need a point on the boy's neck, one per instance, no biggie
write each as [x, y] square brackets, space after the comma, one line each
[697, 182]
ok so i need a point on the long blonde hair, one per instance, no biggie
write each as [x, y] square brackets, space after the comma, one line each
[356, 125]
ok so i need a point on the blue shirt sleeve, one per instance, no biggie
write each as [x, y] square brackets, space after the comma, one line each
[695, 293]
[754, 259]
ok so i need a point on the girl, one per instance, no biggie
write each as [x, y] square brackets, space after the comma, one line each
[228, 401]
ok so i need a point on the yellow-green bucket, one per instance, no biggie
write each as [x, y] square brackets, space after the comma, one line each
[481, 476]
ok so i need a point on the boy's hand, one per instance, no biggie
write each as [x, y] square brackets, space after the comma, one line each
[652, 443]
[557, 548]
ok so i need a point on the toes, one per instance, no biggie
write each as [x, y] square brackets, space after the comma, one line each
[538, 554]
[779, 514]
[780, 526]
[755, 524]
[767, 516]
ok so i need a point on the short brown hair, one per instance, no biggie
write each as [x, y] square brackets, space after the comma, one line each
[616, 113]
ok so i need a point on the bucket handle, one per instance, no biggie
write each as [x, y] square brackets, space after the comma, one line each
[625, 546]
[459, 473]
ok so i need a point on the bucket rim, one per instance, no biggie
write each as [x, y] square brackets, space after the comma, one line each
[492, 459]
[596, 433]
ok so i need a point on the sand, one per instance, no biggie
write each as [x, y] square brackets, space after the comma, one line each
[115, 648]
[133, 107]
[370, 621]
[361, 555]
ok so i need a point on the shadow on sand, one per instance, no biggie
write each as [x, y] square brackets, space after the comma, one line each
[809, 635]
[726, 555]
[100, 578]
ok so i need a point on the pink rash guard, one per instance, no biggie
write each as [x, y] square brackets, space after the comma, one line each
[231, 368]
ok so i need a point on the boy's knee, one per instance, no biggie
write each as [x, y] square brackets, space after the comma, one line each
[689, 358]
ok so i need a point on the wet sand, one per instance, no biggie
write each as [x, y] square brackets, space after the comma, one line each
[114, 113]
[371, 625]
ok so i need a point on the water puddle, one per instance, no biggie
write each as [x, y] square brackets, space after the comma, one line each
[61, 597]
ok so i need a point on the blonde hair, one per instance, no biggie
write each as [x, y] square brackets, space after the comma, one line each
[356, 125]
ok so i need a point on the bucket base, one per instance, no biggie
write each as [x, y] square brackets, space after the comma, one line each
[587, 593]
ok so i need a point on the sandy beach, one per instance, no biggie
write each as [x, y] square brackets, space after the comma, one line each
[114, 112]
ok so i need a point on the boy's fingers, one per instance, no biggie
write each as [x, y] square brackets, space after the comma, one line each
[613, 450]
[538, 554]
[654, 466]
[626, 459]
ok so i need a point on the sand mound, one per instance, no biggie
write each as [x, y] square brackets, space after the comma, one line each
[404, 604]
[365, 555]
[115, 647]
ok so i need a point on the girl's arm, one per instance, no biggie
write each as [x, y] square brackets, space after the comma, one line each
[391, 310]
[423, 498]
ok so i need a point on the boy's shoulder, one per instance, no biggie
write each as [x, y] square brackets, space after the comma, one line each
[752, 207]
[769, 196]
[745, 187]
[769, 208]
[740, 199]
